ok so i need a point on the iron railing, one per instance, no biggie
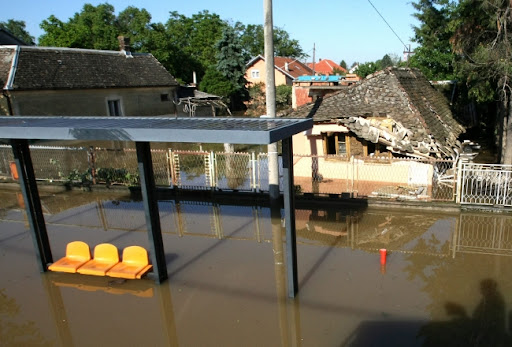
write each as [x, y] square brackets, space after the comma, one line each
[485, 184]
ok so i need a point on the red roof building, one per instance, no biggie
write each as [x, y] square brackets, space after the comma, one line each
[326, 67]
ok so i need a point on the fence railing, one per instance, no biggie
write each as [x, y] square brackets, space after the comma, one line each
[406, 179]
[485, 184]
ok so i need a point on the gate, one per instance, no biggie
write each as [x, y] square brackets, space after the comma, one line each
[486, 184]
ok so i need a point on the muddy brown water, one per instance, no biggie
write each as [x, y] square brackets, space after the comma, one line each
[446, 281]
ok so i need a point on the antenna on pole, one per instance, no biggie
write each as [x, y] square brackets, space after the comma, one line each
[313, 59]
[407, 52]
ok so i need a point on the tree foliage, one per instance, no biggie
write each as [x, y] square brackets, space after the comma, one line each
[231, 64]
[482, 41]
[471, 41]
[17, 28]
[253, 40]
[434, 55]
[94, 27]
[367, 68]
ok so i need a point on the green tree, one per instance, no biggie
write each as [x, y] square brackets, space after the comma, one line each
[215, 82]
[253, 41]
[434, 55]
[367, 68]
[94, 27]
[136, 24]
[17, 28]
[386, 61]
[283, 96]
[483, 42]
[196, 37]
[231, 64]
[343, 64]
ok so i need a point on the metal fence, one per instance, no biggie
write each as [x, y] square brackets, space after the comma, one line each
[485, 184]
[398, 178]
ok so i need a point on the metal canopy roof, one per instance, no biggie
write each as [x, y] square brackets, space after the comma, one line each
[152, 129]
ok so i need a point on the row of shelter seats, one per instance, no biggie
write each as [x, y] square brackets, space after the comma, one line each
[106, 262]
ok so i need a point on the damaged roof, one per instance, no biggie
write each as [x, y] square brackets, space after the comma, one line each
[421, 118]
[50, 68]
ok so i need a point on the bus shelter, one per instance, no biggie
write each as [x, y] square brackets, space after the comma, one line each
[20, 130]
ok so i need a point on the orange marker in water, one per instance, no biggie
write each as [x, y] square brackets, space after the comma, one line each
[383, 253]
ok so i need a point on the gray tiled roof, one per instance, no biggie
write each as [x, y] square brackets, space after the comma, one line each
[6, 56]
[66, 68]
[402, 94]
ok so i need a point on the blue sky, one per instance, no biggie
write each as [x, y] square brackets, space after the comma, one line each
[341, 29]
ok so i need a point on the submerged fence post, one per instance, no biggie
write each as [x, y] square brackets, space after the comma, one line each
[459, 181]
[253, 175]
[213, 171]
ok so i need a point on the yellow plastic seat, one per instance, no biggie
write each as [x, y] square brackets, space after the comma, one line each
[106, 256]
[77, 254]
[134, 264]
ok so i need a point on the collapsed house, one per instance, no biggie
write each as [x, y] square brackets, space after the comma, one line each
[395, 110]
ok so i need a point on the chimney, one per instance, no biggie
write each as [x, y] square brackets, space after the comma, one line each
[286, 66]
[124, 44]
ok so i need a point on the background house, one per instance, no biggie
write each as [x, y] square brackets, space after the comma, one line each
[286, 70]
[84, 82]
[326, 67]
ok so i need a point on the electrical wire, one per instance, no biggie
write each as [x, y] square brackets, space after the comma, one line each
[385, 21]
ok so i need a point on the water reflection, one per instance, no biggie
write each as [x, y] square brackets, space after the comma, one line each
[447, 279]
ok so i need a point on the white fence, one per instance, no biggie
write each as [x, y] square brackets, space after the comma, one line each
[485, 184]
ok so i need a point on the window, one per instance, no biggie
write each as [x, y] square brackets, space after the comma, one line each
[114, 108]
[255, 73]
[375, 149]
[336, 144]
[164, 97]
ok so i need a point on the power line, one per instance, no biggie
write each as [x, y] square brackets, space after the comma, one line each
[385, 21]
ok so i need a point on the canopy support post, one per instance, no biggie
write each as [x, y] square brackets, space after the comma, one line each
[289, 213]
[32, 201]
[147, 183]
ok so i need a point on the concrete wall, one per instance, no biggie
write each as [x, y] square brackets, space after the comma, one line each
[94, 102]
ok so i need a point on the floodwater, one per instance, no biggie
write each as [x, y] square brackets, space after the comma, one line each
[446, 281]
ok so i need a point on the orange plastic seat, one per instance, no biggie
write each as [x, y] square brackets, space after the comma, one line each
[106, 256]
[135, 264]
[77, 254]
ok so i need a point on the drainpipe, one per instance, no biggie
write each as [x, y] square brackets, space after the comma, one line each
[9, 104]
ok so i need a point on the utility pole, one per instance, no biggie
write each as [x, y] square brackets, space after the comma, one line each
[268, 32]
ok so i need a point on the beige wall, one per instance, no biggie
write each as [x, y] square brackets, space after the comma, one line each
[259, 66]
[133, 101]
[407, 173]
[310, 143]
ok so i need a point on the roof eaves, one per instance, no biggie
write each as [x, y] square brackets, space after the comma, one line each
[250, 62]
